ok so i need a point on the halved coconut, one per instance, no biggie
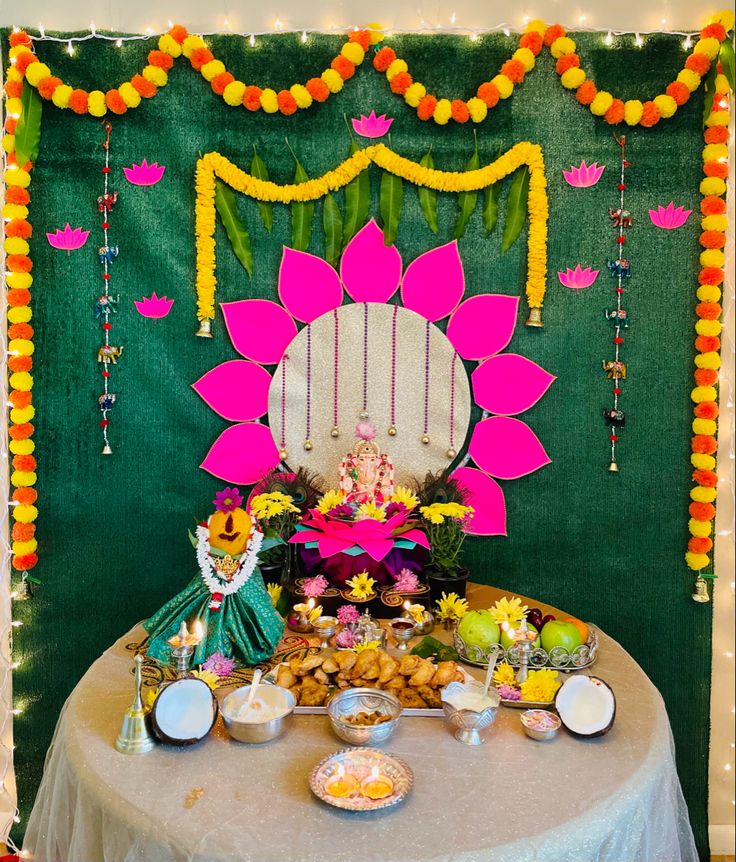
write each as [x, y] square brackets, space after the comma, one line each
[586, 705]
[184, 712]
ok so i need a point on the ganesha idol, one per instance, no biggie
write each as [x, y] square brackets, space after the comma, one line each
[227, 596]
[366, 526]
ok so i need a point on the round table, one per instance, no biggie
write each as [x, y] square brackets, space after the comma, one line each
[612, 799]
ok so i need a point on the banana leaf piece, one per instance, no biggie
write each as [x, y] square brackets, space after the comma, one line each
[516, 208]
[227, 207]
[332, 223]
[259, 170]
[428, 197]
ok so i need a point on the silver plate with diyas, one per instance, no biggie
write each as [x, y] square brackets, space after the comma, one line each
[558, 658]
[356, 768]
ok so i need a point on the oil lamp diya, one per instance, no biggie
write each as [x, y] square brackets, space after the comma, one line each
[523, 639]
[301, 616]
[423, 618]
[376, 785]
[184, 643]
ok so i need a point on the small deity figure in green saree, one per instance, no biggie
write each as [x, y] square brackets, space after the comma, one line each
[227, 595]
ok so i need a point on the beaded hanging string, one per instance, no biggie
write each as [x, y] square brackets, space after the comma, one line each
[335, 432]
[451, 453]
[308, 445]
[105, 304]
[283, 454]
[425, 426]
[619, 269]
[392, 426]
[364, 412]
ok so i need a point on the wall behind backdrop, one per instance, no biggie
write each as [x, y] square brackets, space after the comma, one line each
[608, 548]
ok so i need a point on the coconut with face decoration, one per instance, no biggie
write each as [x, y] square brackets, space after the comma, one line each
[227, 596]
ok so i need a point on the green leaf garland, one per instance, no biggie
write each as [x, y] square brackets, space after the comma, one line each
[466, 201]
[428, 197]
[227, 207]
[516, 208]
[332, 223]
[259, 170]
[28, 130]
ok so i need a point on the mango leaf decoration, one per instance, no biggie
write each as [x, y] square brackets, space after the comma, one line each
[516, 208]
[357, 200]
[709, 90]
[466, 201]
[259, 170]
[28, 130]
[227, 208]
[428, 197]
[302, 213]
[390, 201]
[726, 58]
[490, 206]
[332, 223]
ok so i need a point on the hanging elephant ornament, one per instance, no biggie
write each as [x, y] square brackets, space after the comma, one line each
[108, 253]
[620, 217]
[106, 401]
[618, 317]
[105, 304]
[619, 268]
[107, 201]
[615, 369]
[614, 418]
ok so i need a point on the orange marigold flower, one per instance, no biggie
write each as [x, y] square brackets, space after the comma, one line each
[586, 92]
[716, 135]
[533, 41]
[24, 462]
[567, 61]
[712, 205]
[26, 496]
[615, 113]
[426, 107]
[252, 98]
[344, 68]
[460, 112]
[706, 376]
[20, 330]
[19, 196]
[163, 61]
[400, 83]
[362, 37]
[287, 103]
[18, 296]
[698, 63]
[20, 363]
[219, 82]
[708, 310]
[700, 545]
[24, 562]
[488, 92]
[650, 115]
[23, 61]
[710, 275]
[702, 511]
[678, 91]
[178, 33]
[10, 124]
[79, 101]
[383, 59]
[21, 432]
[514, 71]
[46, 86]
[20, 399]
[317, 89]
[712, 239]
[716, 169]
[706, 410]
[20, 37]
[115, 101]
[713, 31]
[199, 57]
[146, 89]
[19, 263]
[552, 33]
[14, 89]
[703, 444]
[18, 227]
[706, 478]
[23, 532]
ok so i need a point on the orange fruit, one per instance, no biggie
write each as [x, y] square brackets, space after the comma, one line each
[580, 626]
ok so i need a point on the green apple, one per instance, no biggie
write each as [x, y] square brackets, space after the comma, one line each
[479, 629]
[507, 642]
[557, 633]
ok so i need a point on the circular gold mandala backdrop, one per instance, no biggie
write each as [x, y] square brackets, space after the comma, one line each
[411, 458]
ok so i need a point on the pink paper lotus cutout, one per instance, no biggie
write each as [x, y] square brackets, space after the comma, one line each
[68, 240]
[669, 217]
[144, 174]
[372, 126]
[578, 278]
[584, 176]
[432, 286]
[153, 306]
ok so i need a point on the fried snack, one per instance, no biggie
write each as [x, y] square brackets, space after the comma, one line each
[345, 660]
[322, 677]
[396, 684]
[431, 696]
[445, 674]
[366, 665]
[410, 664]
[423, 674]
[329, 665]
[367, 719]
[309, 662]
[285, 677]
[358, 682]
[410, 699]
[313, 693]
[342, 683]
[388, 667]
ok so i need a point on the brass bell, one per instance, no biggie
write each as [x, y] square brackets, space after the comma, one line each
[308, 445]
[535, 318]
[451, 453]
[613, 467]
[701, 591]
[106, 450]
[205, 329]
[283, 454]
[134, 736]
[424, 439]
[335, 433]
[391, 430]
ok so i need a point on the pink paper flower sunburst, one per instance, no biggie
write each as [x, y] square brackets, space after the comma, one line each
[432, 287]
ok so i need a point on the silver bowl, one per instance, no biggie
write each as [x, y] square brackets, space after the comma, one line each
[258, 731]
[534, 732]
[354, 700]
[467, 723]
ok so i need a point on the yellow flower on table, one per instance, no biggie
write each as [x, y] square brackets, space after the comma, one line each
[508, 610]
[369, 511]
[540, 685]
[208, 676]
[329, 501]
[405, 496]
[451, 607]
[274, 591]
[504, 674]
[358, 648]
[361, 586]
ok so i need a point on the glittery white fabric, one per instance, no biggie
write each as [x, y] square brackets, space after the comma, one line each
[614, 799]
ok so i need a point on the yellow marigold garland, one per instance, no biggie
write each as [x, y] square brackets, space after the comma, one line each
[16, 231]
[213, 165]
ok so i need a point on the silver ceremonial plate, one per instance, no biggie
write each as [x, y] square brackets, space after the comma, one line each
[360, 763]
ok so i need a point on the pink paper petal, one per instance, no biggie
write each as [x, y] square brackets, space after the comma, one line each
[376, 548]
[237, 390]
[509, 384]
[486, 497]
[259, 329]
[506, 448]
[370, 270]
[329, 545]
[483, 325]
[417, 536]
[308, 286]
[242, 454]
[434, 282]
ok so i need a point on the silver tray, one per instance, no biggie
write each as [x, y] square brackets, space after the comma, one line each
[558, 658]
[360, 762]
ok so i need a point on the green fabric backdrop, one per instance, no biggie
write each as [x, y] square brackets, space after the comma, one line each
[113, 531]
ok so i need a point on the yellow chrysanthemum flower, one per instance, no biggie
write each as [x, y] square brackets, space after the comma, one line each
[266, 506]
[451, 607]
[369, 511]
[361, 586]
[208, 676]
[504, 674]
[508, 610]
[540, 685]
[149, 698]
[367, 645]
[329, 501]
[274, 591]
[432, 514]
[405, 496]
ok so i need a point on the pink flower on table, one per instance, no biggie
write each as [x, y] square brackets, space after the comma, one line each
[406, 582]
[348, 614]
[314, 587]
[345, 639]
[219, 664]
[508, 692]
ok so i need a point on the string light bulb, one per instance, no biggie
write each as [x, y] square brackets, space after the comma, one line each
[453, 18]
[252, 40]
[70, 48]
[582, 19]
[41, 30]
[278, 24]
[609, 38]
[688, 43]
[638, 41]
[304, 37]
[506, 31]
[473, 37]
[119, 43]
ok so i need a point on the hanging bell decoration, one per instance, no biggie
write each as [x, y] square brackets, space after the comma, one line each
[701, 591]
[535, 318]
[106, 450]
[205, 329]
[613, 467]
[23, 592]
